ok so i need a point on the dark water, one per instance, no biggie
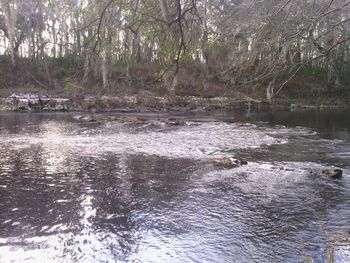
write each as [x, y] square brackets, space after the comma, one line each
[81, 192]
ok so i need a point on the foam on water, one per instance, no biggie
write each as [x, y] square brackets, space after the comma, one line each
[196, 142]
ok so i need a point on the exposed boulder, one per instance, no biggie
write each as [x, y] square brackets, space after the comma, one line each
[89, 118]
[139, 121]
[175, 122]
[332, 173]
[95, 118]
[61, 105]
[27, 102]
[228, 162]
[179, 122]
[23, 104]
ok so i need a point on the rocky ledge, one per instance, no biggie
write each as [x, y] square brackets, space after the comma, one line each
[161, 121]
[142, 102]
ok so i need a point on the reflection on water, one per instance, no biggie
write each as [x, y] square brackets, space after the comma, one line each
[80, 192]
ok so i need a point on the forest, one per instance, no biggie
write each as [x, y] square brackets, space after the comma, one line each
[265, 49]
[174, 131]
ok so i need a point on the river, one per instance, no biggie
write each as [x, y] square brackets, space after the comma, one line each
[75, 191]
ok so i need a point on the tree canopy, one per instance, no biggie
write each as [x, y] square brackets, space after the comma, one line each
[248, 45]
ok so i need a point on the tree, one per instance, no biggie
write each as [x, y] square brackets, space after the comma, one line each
[252, 46]
[9, 26]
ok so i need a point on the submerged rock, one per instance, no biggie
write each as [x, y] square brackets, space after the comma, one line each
[228, 162]
[175, 122]
[77, 117]
[332, 173]
[87, 118]
[139, 121]
[101, 118]
[95, 118]
[180, 122]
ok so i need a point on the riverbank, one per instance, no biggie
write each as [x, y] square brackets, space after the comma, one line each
[151, 103]
[125, 103]
[64, 91]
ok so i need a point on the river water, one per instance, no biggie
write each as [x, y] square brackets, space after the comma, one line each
[74, 191]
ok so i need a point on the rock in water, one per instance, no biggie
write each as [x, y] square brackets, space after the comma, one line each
[332, 173]
[78, 117]
[140, 121]
[175, 122]
[243, 162]
[23, 104]
[228, 162]
[89, 118]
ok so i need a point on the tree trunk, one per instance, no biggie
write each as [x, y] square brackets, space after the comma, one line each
[205, 56]
[54, 37]
[66, 34]
[333, 74]
[86, 69]
[10, 21]
[165, 10]
[77, 35]
[270, 91]
[104, 70]
[136, 49]
[60, 51]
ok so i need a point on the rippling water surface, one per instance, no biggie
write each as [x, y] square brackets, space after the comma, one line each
[72, 191]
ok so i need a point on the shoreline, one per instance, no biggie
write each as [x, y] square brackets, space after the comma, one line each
[28, 103]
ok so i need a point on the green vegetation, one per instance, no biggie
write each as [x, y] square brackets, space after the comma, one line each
[313, 72]
[66, 63]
